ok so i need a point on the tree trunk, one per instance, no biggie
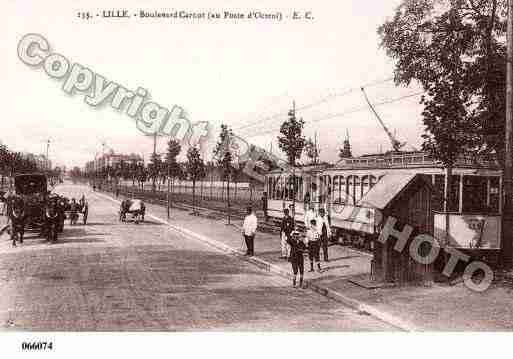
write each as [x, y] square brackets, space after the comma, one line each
[447, 199]
[168, 199]
[201, 191]
[228, 198]
[194, 195]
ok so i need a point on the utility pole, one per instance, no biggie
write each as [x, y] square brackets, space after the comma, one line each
[47, 154]
[294, 174]
[315, 150]
[168, 179]
[154, 160]
[507, 213]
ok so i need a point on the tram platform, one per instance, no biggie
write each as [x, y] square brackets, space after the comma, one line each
[443, 307]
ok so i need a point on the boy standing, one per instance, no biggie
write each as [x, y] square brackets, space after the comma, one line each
[297, 248]
[287, 226]
[312, 236]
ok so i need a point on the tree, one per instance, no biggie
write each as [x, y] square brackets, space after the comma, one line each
[223, 155]
[292, 142]
[154, 168]
[311, 151]
[455, 49]
[195, 169]
[345, 150]
[5, 159]
[172, 166]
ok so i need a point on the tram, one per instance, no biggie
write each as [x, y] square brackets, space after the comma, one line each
[472, 219]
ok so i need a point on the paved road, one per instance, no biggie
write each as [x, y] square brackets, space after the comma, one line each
[113, 276]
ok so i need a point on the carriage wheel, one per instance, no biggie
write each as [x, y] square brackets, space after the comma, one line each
[86, 211]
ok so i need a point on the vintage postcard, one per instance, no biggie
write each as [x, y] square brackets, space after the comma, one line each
[256, 167]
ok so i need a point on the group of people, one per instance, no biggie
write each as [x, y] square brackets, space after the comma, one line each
[293, 245]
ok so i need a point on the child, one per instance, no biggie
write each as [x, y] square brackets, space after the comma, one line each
[313, 238]
[297, 248]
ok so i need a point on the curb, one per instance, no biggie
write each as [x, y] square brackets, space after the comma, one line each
[272, 268]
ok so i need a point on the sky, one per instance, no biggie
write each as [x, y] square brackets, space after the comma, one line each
[246, 74]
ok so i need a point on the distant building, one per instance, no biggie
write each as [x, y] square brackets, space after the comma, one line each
[42, 163]
[345, 151]
[112, 159]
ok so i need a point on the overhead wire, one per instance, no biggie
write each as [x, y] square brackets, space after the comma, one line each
[255, 132]
[313, 104]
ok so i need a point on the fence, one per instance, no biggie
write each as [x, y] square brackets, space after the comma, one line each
[211, 191]
[205, 196]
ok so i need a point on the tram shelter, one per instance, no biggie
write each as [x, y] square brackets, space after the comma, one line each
[407, 199]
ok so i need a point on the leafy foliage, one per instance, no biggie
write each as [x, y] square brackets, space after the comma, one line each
[311, 151]
[291, 140]
[223, 152]
[195, 165]
[173, 150]
[456, 50]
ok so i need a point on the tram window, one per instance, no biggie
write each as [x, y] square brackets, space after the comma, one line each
[336, 189]
[454, 194]
[342, 190]
[453, 204]
[494, 194]
[373, 181]
[299, 195]
[474, 194]
[438, 193]
[349, 190]
[357, 189]
[365, 185]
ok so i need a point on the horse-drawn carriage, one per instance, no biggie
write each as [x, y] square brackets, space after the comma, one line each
[133, 207]
[33, 206]
[74, 210]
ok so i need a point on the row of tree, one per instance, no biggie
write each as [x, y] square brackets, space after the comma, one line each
[13, 162]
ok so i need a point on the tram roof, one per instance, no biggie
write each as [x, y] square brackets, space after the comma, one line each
[299, 170]
[388, 188]
[396, 160]
[412, 159]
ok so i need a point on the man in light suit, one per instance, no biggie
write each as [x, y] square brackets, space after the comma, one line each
[309, 215]
[324, 229]
[249, 228]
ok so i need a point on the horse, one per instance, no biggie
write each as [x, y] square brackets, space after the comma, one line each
[135, 207]
[52, 220]
[17, 217]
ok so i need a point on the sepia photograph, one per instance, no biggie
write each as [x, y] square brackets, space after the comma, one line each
[256, 178]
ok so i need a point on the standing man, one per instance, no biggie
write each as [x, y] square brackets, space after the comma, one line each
[264, 205]
[309, 215]
[324, 229]
[249, 228]
[287, 226]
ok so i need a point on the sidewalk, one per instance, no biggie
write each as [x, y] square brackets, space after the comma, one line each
[439, 307]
